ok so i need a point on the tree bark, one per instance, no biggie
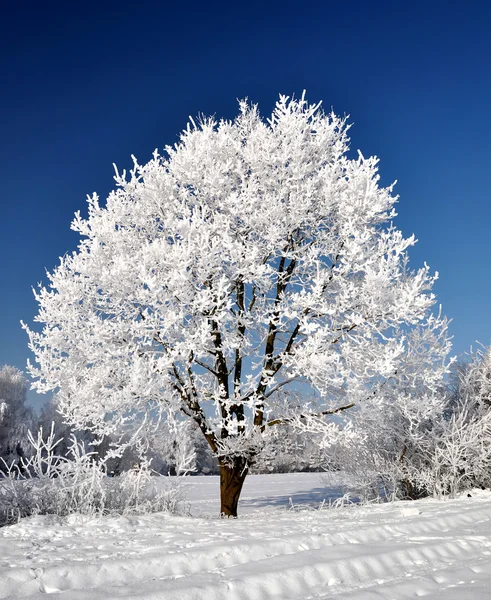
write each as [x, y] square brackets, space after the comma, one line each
[232, 477]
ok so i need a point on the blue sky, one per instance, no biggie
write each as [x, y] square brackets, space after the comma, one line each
[88, 84]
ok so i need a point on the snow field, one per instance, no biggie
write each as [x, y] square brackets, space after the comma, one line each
[394, 551]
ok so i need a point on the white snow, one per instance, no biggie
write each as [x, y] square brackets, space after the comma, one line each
[429, 548]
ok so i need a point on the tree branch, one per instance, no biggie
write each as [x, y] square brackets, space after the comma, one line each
[279, 386]
[287, 420]
[193, 406]
[205, 366]
[283, 278]
[238, 409]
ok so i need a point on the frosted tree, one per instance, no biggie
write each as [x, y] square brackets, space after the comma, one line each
[397, 428]
[254, 258]
[15, 417]
[462, 455]
[475, 379]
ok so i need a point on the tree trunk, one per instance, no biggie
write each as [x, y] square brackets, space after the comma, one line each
[232, 477]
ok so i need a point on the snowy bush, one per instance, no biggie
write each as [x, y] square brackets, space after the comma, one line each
[458, 453]
[436, 444]
[48, 483]
[384, 443]
[169, 444]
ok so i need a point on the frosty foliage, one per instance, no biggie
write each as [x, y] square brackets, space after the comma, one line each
[172, 446]
[15, 417]
[459, 455]
[437, 443]
[51, 483]
[51, 422]
[396, 427]
[250, 277]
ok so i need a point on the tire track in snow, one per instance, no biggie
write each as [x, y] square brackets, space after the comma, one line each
[367, 550]
[280, 567]
[342, 569]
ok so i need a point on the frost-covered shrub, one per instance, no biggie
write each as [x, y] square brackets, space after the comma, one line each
[436, 444]
[393, 432]
[48, 483]
[458, 455]
[168, 443]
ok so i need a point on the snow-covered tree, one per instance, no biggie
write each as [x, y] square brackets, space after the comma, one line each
[475, 378]
[15, 417]
[445, 432]
[395, 427]
[255, 257]
[461, 456]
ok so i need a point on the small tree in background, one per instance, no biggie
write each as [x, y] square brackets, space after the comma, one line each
[384, 443]
[462, 457]
[15, 417]
[255, 257]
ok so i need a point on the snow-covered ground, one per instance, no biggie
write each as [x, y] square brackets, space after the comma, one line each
[392, 551]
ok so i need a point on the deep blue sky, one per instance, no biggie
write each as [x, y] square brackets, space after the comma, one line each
[88, 84]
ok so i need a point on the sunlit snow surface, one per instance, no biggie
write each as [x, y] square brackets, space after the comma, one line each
[394, 551]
